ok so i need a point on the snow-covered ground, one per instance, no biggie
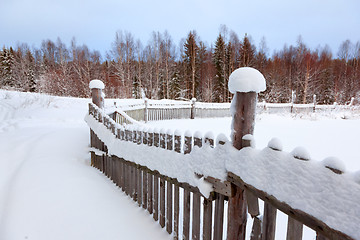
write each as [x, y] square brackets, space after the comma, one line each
[49, 191]
[320, 136]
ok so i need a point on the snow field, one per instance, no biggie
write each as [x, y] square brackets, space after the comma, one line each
[48, 190]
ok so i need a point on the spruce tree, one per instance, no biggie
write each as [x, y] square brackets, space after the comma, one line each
[30, 71]
[191, 51]
[219, 63]
[247, 53]
[6, 64]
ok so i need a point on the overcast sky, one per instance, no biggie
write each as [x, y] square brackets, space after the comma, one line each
[94, 22]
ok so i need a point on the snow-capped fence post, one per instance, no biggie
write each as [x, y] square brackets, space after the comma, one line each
[192, 114]
[245, 83]
[314, 102]
[96, 87]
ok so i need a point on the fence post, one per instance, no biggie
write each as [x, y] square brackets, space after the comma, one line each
[192, 114]
[293, 96]
[96, 87]
[243, 112]
[314, 102]
[146, 110]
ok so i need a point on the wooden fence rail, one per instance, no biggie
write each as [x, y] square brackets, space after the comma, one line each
[201, 216]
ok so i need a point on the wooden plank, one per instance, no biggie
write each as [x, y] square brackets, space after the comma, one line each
[237, 214]
[252, 203]
[186, 215]
[176, 212]
[131, 182]
[297, 214]
[156, 197]
[196, 216]
[319, 236]
[135, 183]
[162, 202]
[219, 217]
[139, 187]
[169, 141]
[269, 222]
[256, 229]
[127, 179]
[150, 193]
[144, 190]
[294, 229]
[169, 207]
[122, 177]
[221, 187]
[207, 219]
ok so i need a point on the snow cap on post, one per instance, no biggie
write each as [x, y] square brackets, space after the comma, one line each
[246, 79]
[96, 84]
[97, 95]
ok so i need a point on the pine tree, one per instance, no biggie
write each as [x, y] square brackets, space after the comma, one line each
[192, 65]
[247, 53]
[7, 64]
[219, 61]
[30, 71]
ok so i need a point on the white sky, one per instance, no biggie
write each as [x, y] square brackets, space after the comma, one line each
[94, 22]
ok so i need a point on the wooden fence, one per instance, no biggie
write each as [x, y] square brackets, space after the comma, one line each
[199, 216]
[190, 110]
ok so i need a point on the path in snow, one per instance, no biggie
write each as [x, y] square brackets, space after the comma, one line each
[48, 190]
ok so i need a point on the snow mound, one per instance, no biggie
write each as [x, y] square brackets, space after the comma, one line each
[334, 163]
[250, 137]
[275, 144]
[246, 79]
[221, 139]
[301, 153]
[96, 84]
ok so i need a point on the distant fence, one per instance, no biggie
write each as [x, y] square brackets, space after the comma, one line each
[157, 168]
[159, 110]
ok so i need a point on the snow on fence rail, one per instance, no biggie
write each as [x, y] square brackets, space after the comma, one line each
[153, 167]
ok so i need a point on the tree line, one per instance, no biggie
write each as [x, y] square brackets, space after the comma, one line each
[190, 69]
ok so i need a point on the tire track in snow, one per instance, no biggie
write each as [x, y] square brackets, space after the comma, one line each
[7, 111]
[26, 149]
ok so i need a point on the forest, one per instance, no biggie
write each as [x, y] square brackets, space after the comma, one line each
[188, 69]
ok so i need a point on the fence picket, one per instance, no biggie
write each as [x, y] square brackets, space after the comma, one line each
[294, 229]
[219, 216]
[169, 206]
[269, 222]
[207, 219]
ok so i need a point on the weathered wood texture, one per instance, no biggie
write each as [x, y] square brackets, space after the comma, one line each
[196, 216]
[169, 206]
[207, 219]
[269, 222]
[294, 229]
[97, 99]
[243, 123]
[186, 215]
[219, 216]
